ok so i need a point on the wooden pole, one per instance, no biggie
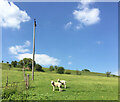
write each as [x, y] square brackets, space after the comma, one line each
[33, 50]
[24, 74]
[7, 80]
[27, 81]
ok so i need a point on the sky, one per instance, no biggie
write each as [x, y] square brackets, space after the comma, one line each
[75, 35]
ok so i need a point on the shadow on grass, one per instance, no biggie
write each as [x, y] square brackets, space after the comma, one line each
[67, 87]
[61, 90]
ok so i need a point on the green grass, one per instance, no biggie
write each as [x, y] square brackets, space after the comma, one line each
[79, 87]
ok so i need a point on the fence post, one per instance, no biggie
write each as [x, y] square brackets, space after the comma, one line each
[24, 74]
[27, 81]
[7, 80]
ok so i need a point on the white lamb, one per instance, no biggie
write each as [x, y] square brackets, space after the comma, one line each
[56, 84]
[63, 82]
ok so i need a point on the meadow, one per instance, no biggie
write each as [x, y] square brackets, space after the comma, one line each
[87, 86]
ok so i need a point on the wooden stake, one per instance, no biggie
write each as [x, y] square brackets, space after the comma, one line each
[24, 74]
[7, 80]
[27, 81]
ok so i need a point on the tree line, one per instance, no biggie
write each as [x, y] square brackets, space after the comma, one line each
[26, 63]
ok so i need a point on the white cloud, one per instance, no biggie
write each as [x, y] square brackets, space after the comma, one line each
[78, 26]
[11, 16]
[86, 15]
[68, 25]
[69, 63]
[69, 56]
[41, 59]
[98, 42]
[20, 52]
[117, 72]
[27, 43]
[20, 48]
[85, 3]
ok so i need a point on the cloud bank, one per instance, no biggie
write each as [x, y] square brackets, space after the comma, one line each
[20, 48]
[69, 63]
[21, 51]
[11, 16]
[41, 59]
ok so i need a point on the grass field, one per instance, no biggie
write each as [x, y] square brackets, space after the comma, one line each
[79, 87]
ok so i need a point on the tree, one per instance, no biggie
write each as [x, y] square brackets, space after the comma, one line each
[14, 63]
[108, 74]
[27, 62]
[21, 63]
[60, 70]
[38, 67]
[55, 68]
[51, 68]
[78, 72]
[7, 62]
[2, 61]
[86, 70]
[9, 66]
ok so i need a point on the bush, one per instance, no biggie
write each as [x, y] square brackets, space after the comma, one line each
[51, 68]
[114, 76]
[14, 63]
[55, 68]
[39, 67]
[108, 74]
[67, 72]
[78, 72]
[9, 65]
[60, 70]
[18, 66]
[86, 70]
[14, 90]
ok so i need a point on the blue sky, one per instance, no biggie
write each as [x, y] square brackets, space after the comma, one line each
[63, 39]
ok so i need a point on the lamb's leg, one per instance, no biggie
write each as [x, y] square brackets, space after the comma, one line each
[59, 89]
[65, 86]
[53, 88]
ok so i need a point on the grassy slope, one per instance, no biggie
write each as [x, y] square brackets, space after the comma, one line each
[73, 72]
[79, 87]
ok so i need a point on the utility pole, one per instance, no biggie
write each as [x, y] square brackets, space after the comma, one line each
[33, 50]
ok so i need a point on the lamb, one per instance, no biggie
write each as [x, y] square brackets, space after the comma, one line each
[63, 82]
[56, 84]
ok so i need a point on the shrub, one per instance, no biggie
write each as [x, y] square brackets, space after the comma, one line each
[18, 66]
[60, 70]
[86, 70]
[9, 66]
[114, 76]
[39, 67]
[67, 72]
[14, 63]
[108, 74]
[78, 72]
[51, 68]
[14, 90]
[55, 68]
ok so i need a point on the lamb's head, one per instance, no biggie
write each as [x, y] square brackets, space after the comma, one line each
[52, 82]
[58, 80]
